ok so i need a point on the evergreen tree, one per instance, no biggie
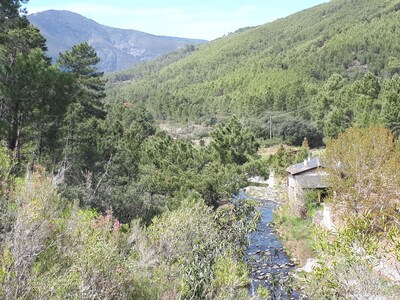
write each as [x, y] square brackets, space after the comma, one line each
[81, 61]
[391, 104]
[233, 143]
[83, 121]
[24, 71]
[367, 106]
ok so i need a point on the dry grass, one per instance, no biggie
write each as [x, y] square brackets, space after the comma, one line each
[268, 151]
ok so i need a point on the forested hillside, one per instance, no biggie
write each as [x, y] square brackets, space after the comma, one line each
[95, 202]
[332, 66]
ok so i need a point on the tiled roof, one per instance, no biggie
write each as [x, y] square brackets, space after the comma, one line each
[307, 165]
[313, 181]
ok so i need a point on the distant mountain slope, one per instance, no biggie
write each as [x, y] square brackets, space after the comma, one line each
[117, 48]
[280, 66]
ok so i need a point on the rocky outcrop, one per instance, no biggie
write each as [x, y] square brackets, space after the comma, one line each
[324, 218]
[118, 48]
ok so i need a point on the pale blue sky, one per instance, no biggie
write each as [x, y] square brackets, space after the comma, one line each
[206, 19]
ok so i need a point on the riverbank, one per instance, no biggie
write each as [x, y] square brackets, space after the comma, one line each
[270, 265]
[295, 234]
[369, 276]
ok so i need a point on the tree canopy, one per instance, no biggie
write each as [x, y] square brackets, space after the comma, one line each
[320, 65]
[364, 167]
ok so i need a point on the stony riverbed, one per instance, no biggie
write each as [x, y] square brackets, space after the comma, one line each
[268, 264]
[267, 261]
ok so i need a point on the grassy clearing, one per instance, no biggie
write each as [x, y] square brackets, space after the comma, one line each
[296, 234]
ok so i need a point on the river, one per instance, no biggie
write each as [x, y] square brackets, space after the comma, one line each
[268, 264]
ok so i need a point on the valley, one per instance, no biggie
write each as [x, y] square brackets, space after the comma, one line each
[264, 164]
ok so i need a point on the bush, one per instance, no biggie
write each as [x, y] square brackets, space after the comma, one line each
[345, 265]
[7, 207]
[365, 171]
[56, 250]
[285, 157]
[295, 130]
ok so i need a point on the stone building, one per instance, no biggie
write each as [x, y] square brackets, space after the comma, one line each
[304, 176]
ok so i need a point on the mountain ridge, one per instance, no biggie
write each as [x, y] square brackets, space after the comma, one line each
[282, 66]
[118, 48]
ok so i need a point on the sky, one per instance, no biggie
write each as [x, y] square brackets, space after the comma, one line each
[206, 19]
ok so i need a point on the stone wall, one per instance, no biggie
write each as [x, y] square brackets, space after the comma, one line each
[296, 198]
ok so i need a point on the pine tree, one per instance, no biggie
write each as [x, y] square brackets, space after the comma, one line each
[391, 104]
[233, 143]
[23, 66]
[81, 61]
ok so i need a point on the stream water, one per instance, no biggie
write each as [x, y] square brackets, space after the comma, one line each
[268, 264]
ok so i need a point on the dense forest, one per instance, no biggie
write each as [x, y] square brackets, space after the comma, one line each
[318, 71]
[97, 202]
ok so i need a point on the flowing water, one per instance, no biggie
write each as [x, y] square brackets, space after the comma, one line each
[268, 264]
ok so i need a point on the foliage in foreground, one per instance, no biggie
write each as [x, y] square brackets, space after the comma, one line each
[364, 169]
[346, 267]
[59, 238]
[57, 250]
[364, 165]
